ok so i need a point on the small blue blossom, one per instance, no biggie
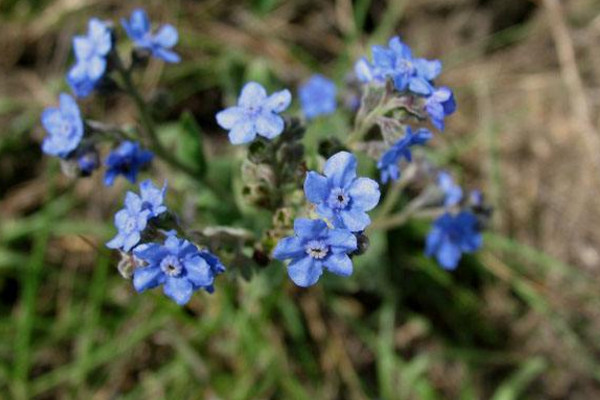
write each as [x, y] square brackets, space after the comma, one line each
[90, 54]
[178, 265]
[440, 104]
[138, 29]
[256, 113]
[314, 247]
[88, 161]
[451, 236]
[130, 222]
[64, 126]
[388, 163]
[317, 96]
[340, 196]
[153, 197]
[397, 62]
[452, 192]
[476, 198]
[126, 160]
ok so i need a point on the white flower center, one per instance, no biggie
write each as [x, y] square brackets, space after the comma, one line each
[171, 266]
[317, 249]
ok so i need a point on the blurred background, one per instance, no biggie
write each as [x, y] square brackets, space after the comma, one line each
[520, 319]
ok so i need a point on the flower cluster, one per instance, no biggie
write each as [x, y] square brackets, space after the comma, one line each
[342, 199]
[177, 264]
[76, 140]
[328, 212]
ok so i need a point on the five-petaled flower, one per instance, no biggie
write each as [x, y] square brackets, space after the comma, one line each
[126, 160]
[256, 113]
[133, 219]
[64, 126]
[452, 192]
[90, 54]
[313, 247]
[451, 236]
[160, 44]
[130, 222]
[397, 62]
[340, 196]
[178, 265]
[388, 163]
[440, 104]
[317, 96]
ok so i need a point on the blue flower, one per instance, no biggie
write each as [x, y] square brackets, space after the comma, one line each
[314, 247]
[126, 160]
[152, 197]
[452, 192]
[256, 113]
[130, 222]
[178, 265]
[317, 96]
[451, 236]
[439, 105]
[397, 62]
[90, 55]
[160, 44]
[64, 126]
[340, 196]
[388, 163]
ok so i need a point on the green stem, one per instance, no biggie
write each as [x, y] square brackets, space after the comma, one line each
[148, 123]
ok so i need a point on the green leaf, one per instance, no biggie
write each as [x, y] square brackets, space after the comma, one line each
[190, 146]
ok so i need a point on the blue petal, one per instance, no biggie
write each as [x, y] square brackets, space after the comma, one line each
[309, 228]
[131, 240]
[51, 119]
[339, 264]
[242, 132]
[354, 220]
[433, 241]
[147, 278]
[198, 271]
[166, 55]
[364, 193]
[341, 241]
[382, 57]
[448, 254]
[140, 21]
[230, 116]
[166, 36]
[269, 125]
[305, 271]
[419, 86]
[341, 169]
[96, 68]
[68, 105]
[316, 187]
[109, 177]
[279, 101]
[363, 70]
[428, 69]
[82, 47]
[116, 242]
[99, 33]
[173, 244]
[133, 202]
[179, 290]
[253, 95]
[399, 48]
[289, 247]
